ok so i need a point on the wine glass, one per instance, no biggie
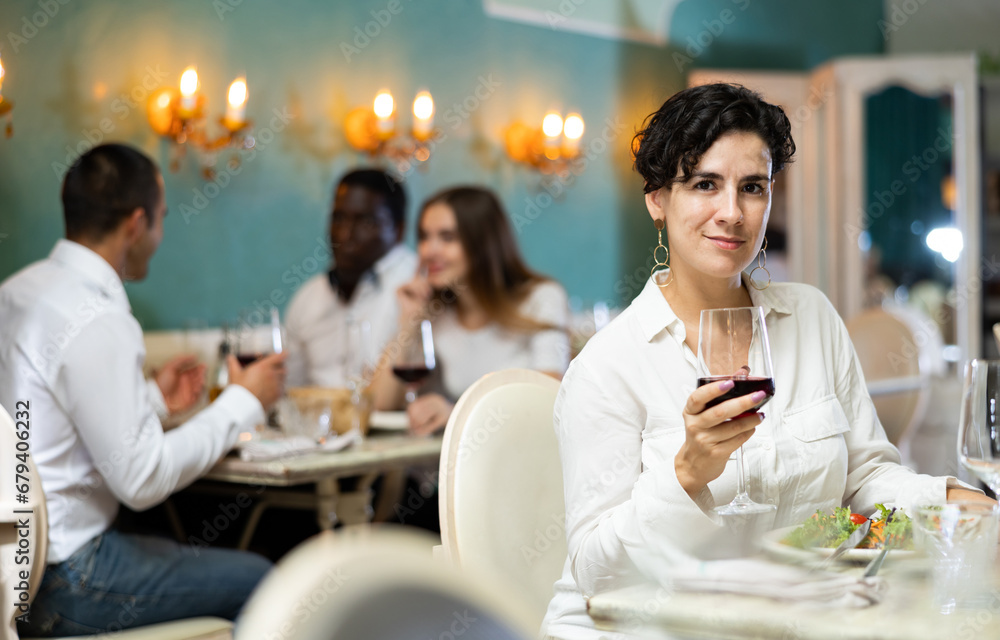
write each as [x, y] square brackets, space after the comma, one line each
[256, 338]
[733, 345]
[979, 425]
[417, 361]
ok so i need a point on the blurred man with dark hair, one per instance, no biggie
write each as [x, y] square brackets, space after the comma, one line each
[334, 311]
[72, 349]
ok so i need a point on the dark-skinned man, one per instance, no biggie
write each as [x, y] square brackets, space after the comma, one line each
[329, 313]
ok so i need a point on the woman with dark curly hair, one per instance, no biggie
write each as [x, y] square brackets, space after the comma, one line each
[644, 462]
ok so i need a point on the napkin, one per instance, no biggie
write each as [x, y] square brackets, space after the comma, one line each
[272, 448]
[755, 577]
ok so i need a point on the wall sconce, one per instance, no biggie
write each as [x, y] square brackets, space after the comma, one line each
[373, 130]
[179, 116]
[551, 147]
[6, 106]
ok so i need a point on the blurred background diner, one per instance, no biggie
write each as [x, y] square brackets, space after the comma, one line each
[301, 143]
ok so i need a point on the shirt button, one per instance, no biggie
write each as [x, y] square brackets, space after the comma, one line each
[766, 445]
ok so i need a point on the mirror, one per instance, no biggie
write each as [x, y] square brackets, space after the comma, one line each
[911, 243]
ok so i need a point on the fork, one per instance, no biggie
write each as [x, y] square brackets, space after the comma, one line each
[876, 563]
[852, 541]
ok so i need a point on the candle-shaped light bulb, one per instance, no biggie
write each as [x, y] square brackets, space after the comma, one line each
[189, 90]
[423, 111]
[236, 109]
[384, 107]
[552, 127]
[573, 131]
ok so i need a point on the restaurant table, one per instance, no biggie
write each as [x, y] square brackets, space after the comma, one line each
[379, 454]
[904, 614]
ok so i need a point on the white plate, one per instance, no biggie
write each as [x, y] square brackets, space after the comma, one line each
[772, 545]
[389, 420]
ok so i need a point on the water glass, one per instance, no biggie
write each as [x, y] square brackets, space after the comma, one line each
[960, 541]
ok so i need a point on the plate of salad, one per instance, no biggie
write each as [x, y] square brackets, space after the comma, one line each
[822, 532]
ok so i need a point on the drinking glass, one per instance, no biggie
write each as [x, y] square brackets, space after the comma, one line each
[257, 337]
[960, 540]
[359, 364]
[979, 425]
[417, 361]
[733, 345]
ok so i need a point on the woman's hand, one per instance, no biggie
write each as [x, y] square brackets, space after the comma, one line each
[428, 413]
[956, 494]
[413, 298]
[712, 435]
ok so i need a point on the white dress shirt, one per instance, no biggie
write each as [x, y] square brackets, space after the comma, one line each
[618, 418]
[463, 355]
[71, 348]
[317, 320]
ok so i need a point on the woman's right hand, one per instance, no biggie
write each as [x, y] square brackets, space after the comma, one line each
[712, 435]
[413, 298]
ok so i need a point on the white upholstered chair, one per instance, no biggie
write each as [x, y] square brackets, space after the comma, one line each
[501, 503]
[360, 584]
[900, 350]
[11, 512]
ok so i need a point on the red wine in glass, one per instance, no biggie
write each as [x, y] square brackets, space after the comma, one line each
[411, 374]
[733, 345]
[742, 385]
[246, 359]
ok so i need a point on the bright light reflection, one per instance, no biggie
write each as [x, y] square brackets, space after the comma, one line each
[423, 106]
[947, 241]
[573, 126]
[383, 104]
[189, 82]
[552, 125]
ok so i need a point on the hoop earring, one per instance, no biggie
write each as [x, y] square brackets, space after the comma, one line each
[666, 258]
[761, 264]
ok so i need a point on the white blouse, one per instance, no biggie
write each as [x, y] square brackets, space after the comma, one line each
[618, 418]
[463, 355]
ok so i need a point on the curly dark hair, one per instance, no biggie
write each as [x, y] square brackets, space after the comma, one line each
[690, 121]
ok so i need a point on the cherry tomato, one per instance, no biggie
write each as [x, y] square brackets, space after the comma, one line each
[857, 518]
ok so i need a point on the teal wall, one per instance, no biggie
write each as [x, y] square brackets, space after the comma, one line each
[68, 76]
